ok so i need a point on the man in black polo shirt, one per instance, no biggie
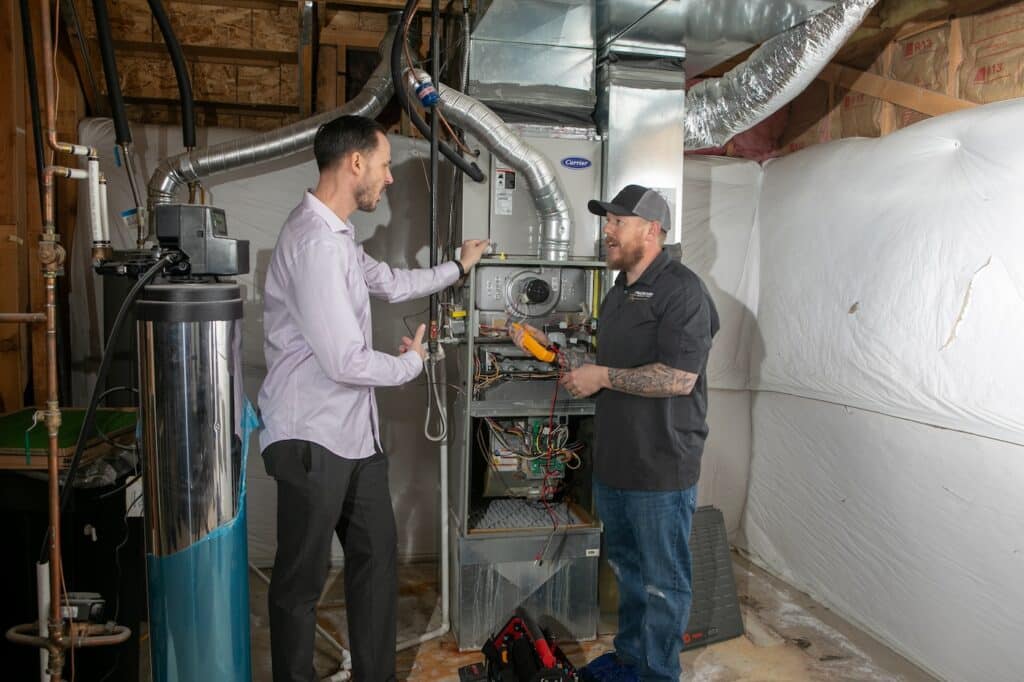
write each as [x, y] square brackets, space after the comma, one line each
[649, 374]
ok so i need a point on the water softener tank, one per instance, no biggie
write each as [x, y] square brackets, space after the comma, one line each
[190, 403]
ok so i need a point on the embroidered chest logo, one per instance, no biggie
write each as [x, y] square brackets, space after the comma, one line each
[640, 295]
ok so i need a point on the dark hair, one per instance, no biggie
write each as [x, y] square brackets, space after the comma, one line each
[342, 136]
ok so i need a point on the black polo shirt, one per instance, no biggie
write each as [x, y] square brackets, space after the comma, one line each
[665, 316]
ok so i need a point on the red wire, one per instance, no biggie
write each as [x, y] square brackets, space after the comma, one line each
[545, 488]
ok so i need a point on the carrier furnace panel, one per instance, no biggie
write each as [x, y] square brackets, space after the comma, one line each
[502, 210]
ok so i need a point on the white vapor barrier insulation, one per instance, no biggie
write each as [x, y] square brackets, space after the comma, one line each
[912, 531]
[892, 273]
[887, 464]
[719, 244]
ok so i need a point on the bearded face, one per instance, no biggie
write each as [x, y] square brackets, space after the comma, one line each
[377, 176]
[624, 239]
[368, 195]
[624, 254]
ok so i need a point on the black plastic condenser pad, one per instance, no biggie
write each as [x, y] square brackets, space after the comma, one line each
[715, 613]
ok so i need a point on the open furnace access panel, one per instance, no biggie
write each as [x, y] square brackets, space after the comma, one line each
[523, 534]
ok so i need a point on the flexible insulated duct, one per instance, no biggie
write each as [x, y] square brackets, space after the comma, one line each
[176, 171]
[494, 134]
[776, 72]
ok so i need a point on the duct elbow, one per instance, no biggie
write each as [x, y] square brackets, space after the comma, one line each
[500, 139]
[166, 181]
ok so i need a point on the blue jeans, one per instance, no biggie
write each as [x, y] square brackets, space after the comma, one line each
[646, 535]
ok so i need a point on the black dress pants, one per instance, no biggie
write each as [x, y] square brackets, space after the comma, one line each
[319, 494]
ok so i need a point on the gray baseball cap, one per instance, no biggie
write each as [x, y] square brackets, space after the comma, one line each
[636, 200]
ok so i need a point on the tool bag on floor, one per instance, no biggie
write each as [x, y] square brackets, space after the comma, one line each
[520, 652]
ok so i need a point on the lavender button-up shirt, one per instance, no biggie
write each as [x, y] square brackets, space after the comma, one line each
[321, 365]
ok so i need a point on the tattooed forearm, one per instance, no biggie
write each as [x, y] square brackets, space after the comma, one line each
[656, 380]
[575, 360]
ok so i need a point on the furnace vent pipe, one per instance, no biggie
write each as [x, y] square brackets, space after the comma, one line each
[779, 70]
[176, 171]
[494, 134]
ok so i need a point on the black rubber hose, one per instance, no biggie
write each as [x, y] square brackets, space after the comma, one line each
[124, 133]
[33, 96]
[188, 118]
[468, 167]
[101, 374]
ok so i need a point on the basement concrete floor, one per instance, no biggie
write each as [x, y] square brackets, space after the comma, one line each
[789, 637]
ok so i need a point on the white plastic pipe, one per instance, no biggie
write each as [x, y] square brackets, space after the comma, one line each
[95, 221]
[80, 150]
[43, 609]
[104, 214]
[346, 657]
[442, 449]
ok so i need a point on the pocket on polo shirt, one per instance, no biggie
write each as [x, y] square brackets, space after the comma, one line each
[639, 319]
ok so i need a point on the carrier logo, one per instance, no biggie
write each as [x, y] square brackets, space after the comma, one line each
[576, 162]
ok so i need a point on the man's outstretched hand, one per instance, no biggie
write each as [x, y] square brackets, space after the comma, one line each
[415, 344]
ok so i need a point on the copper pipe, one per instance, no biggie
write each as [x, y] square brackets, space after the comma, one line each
[96, 634]
[26, 318]
[51, 257]
[49, 213]
[82, 635]
[51, 113]
[47, 47]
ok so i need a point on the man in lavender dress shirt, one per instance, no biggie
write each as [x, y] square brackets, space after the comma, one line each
[321, 436]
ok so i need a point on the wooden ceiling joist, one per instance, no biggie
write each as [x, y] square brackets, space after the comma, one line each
[236, 107]
[244, 4]
[227, 55]
[897, 92]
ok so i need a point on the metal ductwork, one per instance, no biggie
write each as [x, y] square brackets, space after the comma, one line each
[716, 109]
[534, 60]
[548, 195]
[177, 171]
[778, 71]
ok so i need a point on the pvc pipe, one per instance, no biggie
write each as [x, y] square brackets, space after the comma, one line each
[104, 212]
[43, 609]
[445, 577]
[80, 150]
[95, 205]
[346, 657]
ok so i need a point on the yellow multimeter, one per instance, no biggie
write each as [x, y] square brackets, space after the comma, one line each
[533, 345]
